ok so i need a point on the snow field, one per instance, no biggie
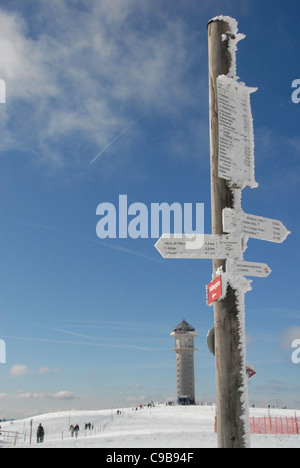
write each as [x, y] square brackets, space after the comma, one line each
[159, 427]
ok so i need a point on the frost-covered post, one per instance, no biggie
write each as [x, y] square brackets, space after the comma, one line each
[232, 169]
[229, 313]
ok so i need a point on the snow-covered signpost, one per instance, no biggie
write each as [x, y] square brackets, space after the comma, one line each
[232, 169]
[2, 101]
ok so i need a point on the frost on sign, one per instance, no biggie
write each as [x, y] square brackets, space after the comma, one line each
[254, 226]
[236, 137]
[213, 246]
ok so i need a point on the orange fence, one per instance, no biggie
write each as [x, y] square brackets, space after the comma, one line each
[273, 425]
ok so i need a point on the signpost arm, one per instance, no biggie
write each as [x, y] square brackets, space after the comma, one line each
[230, 363]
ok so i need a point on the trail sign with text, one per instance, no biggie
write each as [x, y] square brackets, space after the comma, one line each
[260, 270]
[236, 138]
[214, 290]
[254, 226]
[207, 246]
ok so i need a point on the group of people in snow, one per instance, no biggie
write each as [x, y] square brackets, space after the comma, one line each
[88, 426]
[74, 430]
[40, 434]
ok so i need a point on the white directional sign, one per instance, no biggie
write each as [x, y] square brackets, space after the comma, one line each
[213, 246]
[236, 136]
[260, 270]
[254, 226]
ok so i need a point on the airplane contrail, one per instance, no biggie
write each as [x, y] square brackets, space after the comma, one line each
[119, 248]
[116, 138]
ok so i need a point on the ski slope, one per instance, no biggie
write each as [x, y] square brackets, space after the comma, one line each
[158, 427]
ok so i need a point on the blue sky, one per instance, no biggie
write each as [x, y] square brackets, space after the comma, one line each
[86, 321]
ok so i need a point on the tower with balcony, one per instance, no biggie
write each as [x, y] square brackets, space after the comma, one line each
[184, 335]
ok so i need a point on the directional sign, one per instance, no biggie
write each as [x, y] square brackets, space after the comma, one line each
[236, 136]
[214, 290]
[251, 372]
[260, 270]
[213, 246]
[254, 226]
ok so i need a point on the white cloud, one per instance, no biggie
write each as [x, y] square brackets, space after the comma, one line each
[138, 386]
[18, 370]
[23, 61]
[134, 400]
[46, 370]
[61, 395]
[88, 73]
[288, 336]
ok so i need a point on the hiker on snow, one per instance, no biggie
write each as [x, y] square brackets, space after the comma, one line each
[40, 434]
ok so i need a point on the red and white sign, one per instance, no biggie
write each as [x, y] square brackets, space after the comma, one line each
[214, 290]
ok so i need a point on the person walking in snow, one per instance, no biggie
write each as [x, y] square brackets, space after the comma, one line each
[72, 429]
[40, 434]
[76, 429]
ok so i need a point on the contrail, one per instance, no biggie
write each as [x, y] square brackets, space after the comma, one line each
[117, 137]
[91, 239]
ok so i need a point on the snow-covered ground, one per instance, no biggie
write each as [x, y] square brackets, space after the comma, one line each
[158, 427]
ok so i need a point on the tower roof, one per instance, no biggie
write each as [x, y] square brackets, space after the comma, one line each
[184, 326]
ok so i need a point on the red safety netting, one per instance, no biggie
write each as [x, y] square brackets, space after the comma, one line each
[273, 425]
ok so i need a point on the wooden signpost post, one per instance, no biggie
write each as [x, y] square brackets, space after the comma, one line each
[232, 169]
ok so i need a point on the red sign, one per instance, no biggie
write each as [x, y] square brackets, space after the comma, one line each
[214, 290]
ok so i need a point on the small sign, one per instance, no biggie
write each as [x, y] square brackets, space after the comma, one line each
[256, 227]
[260, 270]
[213, 246]
[214, 290]
[236, 135]
[210, 340]
[250, 371]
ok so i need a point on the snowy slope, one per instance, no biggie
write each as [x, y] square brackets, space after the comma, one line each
[159, 427]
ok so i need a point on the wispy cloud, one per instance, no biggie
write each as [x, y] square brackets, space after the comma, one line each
[91, 341]
[100, 242]
[85, 72]
[20, 370]
[288, 336]
[107, 342]
[60, 395]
